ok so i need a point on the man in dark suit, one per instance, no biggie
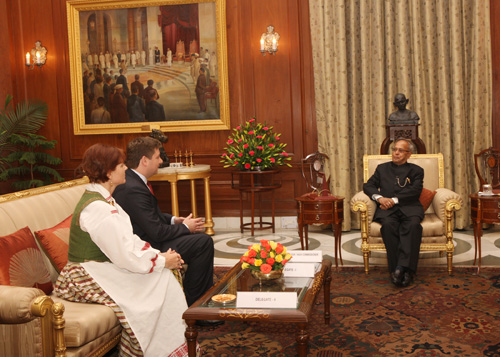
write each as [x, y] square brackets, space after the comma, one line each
[154, 110]
[123, 81]
[396, 187]
[162, 230]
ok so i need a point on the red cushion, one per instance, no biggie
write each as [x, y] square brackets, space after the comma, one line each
[21, 262]
[426, 198]
[55, 242]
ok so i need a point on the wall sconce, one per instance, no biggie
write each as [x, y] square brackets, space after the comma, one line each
[269, 41]
[39, 54]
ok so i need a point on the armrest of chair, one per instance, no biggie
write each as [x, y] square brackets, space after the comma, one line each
[361, 202]
[15, 304]
[445, 202]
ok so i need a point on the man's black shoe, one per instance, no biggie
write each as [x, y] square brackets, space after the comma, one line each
[407, 279]
[397, 276]
[209, 323]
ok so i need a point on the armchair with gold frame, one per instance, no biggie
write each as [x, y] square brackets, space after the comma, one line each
[437, 234]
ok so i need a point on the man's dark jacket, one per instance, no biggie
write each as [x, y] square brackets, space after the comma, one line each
[148, 221]
[387, 181]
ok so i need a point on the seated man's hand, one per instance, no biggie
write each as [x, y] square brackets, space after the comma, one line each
[194, 224]
[173, 260]
[385, 203]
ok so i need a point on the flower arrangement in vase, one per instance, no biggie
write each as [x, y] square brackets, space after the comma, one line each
[254, 146]
[265, 260]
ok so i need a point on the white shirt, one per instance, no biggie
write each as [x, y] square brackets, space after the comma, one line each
[110, 228]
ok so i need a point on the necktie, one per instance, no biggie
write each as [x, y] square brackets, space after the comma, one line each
[150, 188]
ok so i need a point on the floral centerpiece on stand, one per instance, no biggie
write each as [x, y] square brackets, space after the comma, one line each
[265, 258]
[254, 146]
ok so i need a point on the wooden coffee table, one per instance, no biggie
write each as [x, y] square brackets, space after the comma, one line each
[241, 280]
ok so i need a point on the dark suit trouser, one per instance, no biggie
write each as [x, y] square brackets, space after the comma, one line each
[402, 236]
[197, 250]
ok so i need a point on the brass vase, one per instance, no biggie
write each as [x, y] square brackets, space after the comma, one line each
[272, 275]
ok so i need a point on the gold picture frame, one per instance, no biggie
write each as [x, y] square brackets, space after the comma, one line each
[132, 26]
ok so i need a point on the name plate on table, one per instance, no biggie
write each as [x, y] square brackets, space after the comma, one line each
[257, 299]
[299, 270]
[306, 256]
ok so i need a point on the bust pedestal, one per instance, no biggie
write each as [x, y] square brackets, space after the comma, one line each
[407, 131]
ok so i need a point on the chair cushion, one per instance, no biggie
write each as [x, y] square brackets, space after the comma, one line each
[426, 198]
[55, 242]
[85, 322]
[432, 226]
[21, 262]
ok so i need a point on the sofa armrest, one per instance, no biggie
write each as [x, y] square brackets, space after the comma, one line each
[446, 200]
[15, 304]
[20, 305]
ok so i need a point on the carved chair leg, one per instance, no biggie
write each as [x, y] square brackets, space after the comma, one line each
[366, 256]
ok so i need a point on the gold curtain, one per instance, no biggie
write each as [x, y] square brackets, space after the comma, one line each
[436, 52]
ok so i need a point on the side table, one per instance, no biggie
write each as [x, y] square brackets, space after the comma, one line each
[255, 182]
[483, 209]
[172, 175]
[322, 211]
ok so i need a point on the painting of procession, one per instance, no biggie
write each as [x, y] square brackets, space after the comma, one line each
[162, 65]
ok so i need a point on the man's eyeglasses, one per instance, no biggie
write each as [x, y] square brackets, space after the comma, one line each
[399, 150]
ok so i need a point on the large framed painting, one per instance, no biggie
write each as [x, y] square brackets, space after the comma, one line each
[142, 65]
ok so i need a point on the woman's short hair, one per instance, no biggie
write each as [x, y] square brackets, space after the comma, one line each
[99, 160]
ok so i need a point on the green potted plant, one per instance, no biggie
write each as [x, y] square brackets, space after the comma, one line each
[32, 163]
[26, 117]
[19, 144]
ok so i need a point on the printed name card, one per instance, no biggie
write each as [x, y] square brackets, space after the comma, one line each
[257, 299]
[299, 270]
[306, 256]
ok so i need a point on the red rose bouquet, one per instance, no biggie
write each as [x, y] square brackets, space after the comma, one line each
[265, 257]
[254, 145]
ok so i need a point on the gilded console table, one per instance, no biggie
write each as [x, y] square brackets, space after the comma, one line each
[197, 172]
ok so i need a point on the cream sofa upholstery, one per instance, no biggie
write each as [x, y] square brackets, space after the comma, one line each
[32, 323]
[437, 234]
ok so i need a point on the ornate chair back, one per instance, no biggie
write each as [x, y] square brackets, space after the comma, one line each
[313, 171]
[487, 167]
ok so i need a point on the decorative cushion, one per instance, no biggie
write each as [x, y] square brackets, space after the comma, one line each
[426, 198]
[21, 262]
[55, 242]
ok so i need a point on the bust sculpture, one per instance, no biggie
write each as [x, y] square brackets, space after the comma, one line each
[402, 115]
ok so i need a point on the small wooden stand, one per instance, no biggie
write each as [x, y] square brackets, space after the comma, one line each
[255, 182]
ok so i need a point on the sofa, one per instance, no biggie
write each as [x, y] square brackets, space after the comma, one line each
[33, 323]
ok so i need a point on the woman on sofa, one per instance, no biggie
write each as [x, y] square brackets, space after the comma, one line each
[109, 265]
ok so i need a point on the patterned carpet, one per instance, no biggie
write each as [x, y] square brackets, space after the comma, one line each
[438, 315]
